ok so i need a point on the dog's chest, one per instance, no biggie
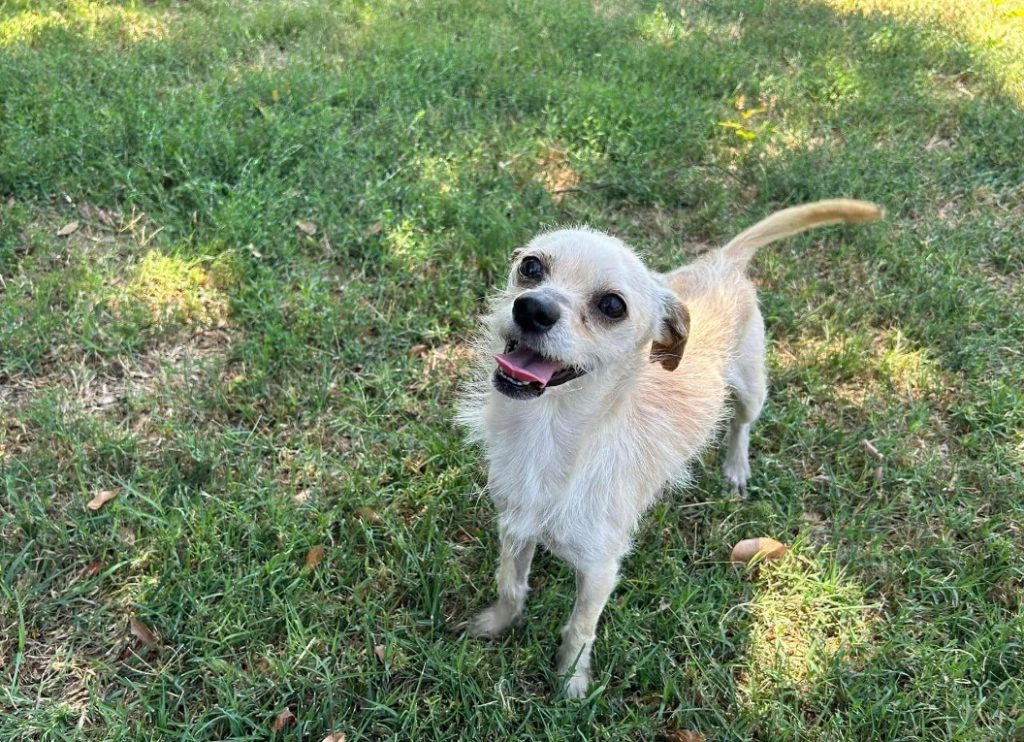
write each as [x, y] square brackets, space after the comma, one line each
[558, 483]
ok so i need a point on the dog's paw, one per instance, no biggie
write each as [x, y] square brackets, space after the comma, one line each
[736, 475]
[490, 623]
[576, 686]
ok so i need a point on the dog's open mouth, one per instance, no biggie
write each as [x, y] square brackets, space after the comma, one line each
[524, 373]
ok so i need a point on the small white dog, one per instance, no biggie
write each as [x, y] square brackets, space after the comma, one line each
[594, 406]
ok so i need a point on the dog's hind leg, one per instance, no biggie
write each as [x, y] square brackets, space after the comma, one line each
[749, 383]
[594, 586]
[513, 576]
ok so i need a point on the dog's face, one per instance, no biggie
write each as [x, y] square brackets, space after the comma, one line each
[579, 302]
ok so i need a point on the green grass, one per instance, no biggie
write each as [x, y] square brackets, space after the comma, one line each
[251, 391]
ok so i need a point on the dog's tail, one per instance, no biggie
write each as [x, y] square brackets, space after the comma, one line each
[741, 248]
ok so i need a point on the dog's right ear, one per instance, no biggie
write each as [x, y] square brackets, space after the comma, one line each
[673, 331]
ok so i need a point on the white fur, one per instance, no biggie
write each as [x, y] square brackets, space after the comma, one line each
[575, 468]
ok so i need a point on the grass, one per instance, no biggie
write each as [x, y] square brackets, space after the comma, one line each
[288, 213]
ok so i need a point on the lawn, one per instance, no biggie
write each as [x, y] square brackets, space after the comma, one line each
[242, 248]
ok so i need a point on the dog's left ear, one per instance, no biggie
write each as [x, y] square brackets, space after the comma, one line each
[673, 331]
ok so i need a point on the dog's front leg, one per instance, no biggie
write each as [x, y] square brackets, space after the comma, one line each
[513, 576]
[594, 585]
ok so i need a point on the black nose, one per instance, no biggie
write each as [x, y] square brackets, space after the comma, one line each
[535, 315]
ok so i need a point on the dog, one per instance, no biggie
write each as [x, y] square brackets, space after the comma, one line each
[607, 381]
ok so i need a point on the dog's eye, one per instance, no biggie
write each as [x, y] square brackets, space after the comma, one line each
[531, 268]
[612, 306]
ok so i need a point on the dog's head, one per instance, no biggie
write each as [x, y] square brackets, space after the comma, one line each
[580, 302]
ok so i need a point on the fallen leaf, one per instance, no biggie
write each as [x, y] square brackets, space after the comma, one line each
[306, 227]
[335, 737]
[684, 735]
[143, 633]
[379, 652]
[101, 498]
[69, 228]
[418, 351]
[368, 514]
[93, 569]
[105, 217]
[375, 228]
[314, 556]
[282, 720]
[870, 450]
[767, 548]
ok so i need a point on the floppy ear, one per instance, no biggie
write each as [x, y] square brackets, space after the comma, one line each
[673, 330]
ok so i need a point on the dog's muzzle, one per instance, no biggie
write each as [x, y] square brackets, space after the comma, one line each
[524, 373]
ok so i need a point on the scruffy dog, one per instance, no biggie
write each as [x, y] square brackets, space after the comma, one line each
[594, 407]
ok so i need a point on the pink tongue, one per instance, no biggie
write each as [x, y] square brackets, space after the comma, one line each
[525, 365]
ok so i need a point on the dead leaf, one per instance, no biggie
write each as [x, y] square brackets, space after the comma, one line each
[335, 737]
[870, 450]
[93, 569]
[143, 633]
[105, 217]
[379, 652]
[375, 228]
[684, 735]
[282, 720]
[765, 548]
[314, 556]
[306, 227]
[101, 498]
[69, 228]
[418, 351]
[368, 514]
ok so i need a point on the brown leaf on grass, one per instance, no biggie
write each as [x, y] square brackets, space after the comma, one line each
[314, 556]
[870, 450]
[418, 351]
[105, 217]
[375, 228]
[684, 735]
[368, 514]
[69, 228]
[282, 720]
[143, 633]
[306, 227]
[93, 569]
[335, 737]
[762, 548]
[101, 498]
[378, 651]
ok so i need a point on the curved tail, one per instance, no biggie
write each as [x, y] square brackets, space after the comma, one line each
[796, 219]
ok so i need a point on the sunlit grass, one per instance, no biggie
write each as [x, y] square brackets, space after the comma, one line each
[994, 28]
[805, 618]
[92, 20]
[178, 290]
